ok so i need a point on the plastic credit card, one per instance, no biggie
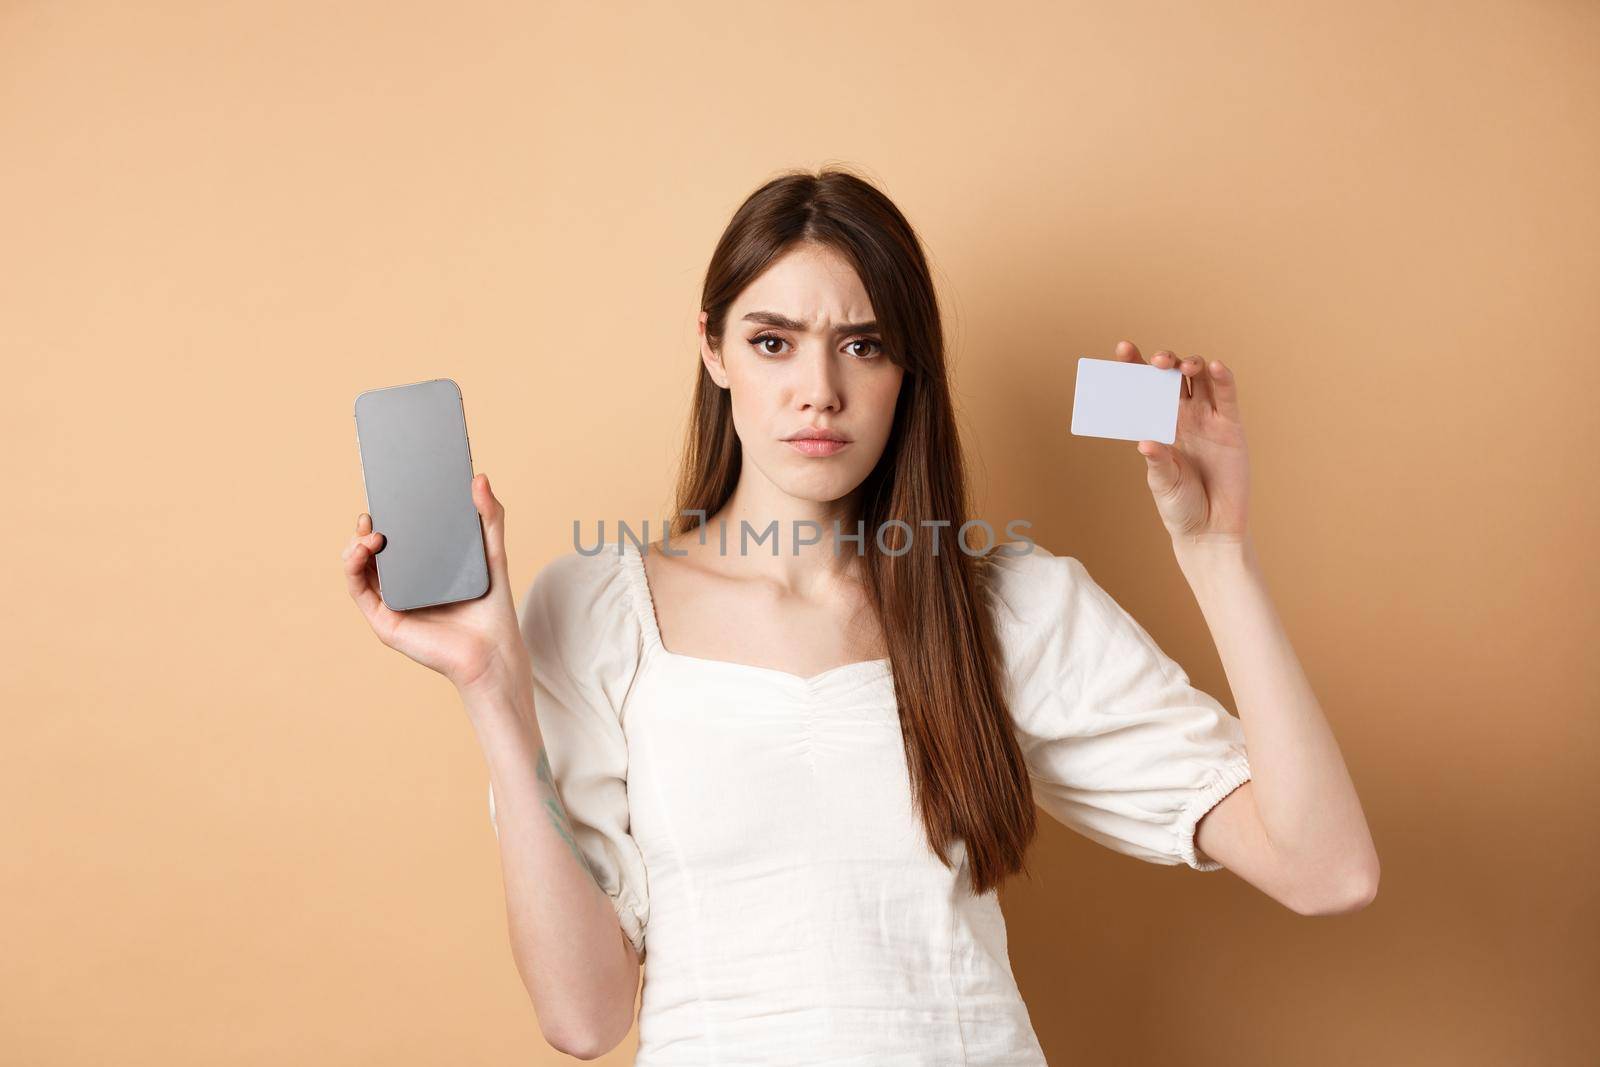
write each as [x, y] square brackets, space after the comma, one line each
[1126, 401]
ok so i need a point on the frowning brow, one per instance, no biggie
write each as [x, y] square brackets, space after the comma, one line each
[784, 322]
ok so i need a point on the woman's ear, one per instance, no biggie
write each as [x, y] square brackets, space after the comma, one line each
[711, 359]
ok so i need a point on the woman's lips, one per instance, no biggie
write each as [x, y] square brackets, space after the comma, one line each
[813, 446]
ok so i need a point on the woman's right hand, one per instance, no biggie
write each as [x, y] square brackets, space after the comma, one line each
[474, 643]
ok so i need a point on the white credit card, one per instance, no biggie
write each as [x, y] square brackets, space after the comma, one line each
[1127, 401]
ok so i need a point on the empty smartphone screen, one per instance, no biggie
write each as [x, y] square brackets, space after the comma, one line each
[417, 465]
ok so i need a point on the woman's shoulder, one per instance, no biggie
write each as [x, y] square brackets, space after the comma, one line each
[1028, 584]
[581, 597]
[1055, 621]
[1051, 617]
[582, 566]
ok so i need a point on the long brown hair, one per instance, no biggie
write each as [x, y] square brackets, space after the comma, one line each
[966, 769]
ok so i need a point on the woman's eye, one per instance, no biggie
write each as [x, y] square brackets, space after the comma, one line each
[761, 342]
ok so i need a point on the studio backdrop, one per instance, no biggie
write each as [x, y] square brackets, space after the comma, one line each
[237, 829]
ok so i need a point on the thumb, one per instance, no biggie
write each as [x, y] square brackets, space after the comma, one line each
[494, 523]
[1161, 465]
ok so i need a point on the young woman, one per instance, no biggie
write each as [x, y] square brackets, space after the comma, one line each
[799, 769]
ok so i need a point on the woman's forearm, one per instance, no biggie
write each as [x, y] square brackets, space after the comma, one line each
[569, 948]
[1304, 797]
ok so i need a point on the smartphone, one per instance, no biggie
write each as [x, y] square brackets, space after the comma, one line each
[416, 461]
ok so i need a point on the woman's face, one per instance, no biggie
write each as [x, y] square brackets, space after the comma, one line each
[800, 351]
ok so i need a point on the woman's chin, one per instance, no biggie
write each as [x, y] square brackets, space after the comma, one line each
[819, 489]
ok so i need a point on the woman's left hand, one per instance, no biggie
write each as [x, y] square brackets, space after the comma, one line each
[1201, 482]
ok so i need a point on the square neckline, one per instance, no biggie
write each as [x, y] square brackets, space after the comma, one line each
[632, 561]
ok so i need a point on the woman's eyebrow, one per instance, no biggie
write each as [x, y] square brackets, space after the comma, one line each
[784, 322]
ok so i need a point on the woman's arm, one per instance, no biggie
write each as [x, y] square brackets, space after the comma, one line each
[575, 961]
[564, 931]
[1296, 829]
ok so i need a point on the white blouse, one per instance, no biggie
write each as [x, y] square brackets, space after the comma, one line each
[756, 829]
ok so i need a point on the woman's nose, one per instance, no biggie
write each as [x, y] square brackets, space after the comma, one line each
[818, 388]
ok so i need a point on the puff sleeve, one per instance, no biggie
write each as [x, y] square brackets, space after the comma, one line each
[1119, 745]
[584, 642]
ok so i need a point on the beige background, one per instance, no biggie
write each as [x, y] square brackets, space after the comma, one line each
[239, 830]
